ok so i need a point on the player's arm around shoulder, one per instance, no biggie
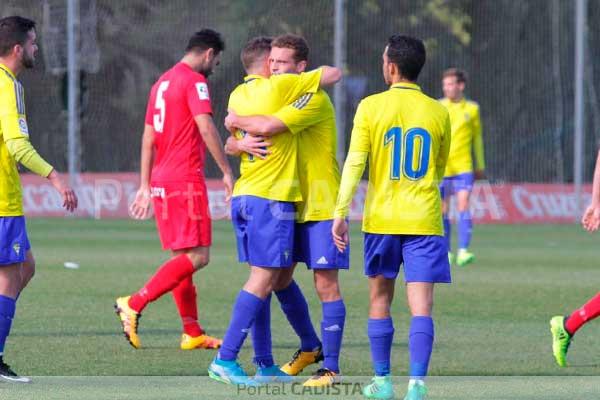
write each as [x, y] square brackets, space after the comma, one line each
[291, 86]
[308, 110]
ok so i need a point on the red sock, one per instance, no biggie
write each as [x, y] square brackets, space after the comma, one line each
[165, 279]
[185, 299]
[581, 316]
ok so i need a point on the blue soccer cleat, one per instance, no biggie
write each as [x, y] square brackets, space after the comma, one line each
[229, 372]
[271, 374]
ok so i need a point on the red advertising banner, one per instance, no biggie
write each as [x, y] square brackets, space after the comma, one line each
[109, 196]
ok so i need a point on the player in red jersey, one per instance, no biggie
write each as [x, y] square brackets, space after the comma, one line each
[179, 127]
[563, 329]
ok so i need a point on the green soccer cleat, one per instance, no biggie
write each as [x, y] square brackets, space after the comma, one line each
[464, 258]
[561, 340]
[416, 391]
[380, 388]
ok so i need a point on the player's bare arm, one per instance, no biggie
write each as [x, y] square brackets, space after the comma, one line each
[140, 209]
[591, 216]
[329, 75]
[68, 195]
[211, 138]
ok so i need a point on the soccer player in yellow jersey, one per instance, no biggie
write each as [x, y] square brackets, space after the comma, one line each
[262, 208]
[405, 135]
[17, 265]
[459, 175]
[312, 119]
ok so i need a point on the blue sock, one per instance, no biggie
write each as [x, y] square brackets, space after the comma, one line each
[465, 228]
[420, 344]
[447, 231]
[295, 308]
[7, 312]
[381, 335]
[261, 336]
[245, 310]
[332, 332]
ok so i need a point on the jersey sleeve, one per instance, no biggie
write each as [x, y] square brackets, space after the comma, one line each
[198, 97]
[305, 112]
[15, 131]
[478, 141]
[12, 112]
[356, 161]
[292, 86]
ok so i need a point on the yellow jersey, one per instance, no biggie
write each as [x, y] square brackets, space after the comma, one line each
[312, 119]
[406, 137]
[466, 137]
[275, 177]
[13, 125]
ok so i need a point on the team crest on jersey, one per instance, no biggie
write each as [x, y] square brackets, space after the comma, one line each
[467, 117]
[23, 126]
[202, 89]
[17, 248]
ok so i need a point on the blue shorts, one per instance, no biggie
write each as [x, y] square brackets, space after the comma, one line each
[264, 230]
[454, 184]
[314, 246]
[425, 258]
[14, 242]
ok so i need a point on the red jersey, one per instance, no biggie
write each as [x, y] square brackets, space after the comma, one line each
[176, 98]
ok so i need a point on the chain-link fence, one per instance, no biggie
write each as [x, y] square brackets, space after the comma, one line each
[519, 56]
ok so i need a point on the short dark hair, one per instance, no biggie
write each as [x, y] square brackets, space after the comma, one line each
[255, 49]
[408, 53]
[294, 42]
[206, 39]
[14, 30]
[459, 74]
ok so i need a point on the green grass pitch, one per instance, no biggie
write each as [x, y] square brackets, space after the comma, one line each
[492, 321]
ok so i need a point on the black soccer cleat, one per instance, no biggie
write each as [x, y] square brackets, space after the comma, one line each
[8, 375]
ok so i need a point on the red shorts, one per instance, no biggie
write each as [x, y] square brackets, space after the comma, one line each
[182, 214]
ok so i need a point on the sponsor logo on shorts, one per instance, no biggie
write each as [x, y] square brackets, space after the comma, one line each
[17, 248]
[286, 254]
[157, 192]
